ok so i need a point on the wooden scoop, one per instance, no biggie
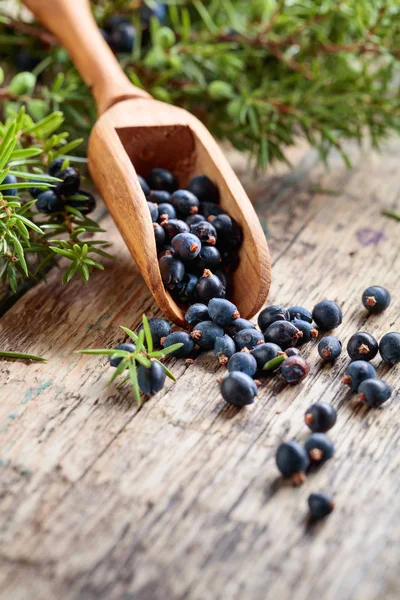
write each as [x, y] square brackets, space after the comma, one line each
[134, 134]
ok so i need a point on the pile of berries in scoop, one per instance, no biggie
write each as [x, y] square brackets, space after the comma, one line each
[197, 241]
[65, 193]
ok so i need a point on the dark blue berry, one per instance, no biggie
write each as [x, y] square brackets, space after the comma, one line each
[166, 211]
[357, 372]
[25, 61]
[243, 362]
[320, 505]
[159, 328]
[34, 191]
[294, 369]
[263, 353]
[292, 352]
[238, 325]
[9, 179]
[196, 313]
[228, 231]
[159, 235]
[238, 389]
[114, 21]
[374, 392]
[186, 245]
[329, 348]
[153, 208]
[114, 361]
[55, 167]
[70, 183]
[144, 185]
[205, 190]
[179, 337]
[292, 461]
[319, 448]
[327, 315]
[172, 270]
[224, 347]
[205, 231]
[157, 10]
[282, 333]
[320, 417]
[173, 227]
[151, 379]
[389, 347]
[376, 299]
[362, 346]
[209, 209]
[193, 219]
[162, 179]
[299, 312]
[186, 289]
[230, 260]
[209, 287]
[222, 311]
[270, 315]
[248, 338]
[222, 277]
[160, 197]
[208, 258]
[48, 202]
[166, 250]
[122, 37]
[205, 334]
[309, 332]
[85, 205]
[185, 203]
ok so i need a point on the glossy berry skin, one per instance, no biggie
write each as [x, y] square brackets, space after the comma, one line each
[159, 328]
[292, 461]
[362, 346]
[193, 219]
[205, 333]
[71, 180]
[205, 232]
[292, 352]
[238, 325]
[144, 185]
[238, 389]
[309, 332]
[294, 369]
[115, 361]
[270, 315]
[389, 347]
[376, 299]
[222, 312]
[179, 337]
[224, 348]
[151, 379]
[209, 287]
[319, 448]
[243, 362]
[185, 203]
[8, 180]
[162, 179]
[299, 312]
[173, 227]
[196, 313]
[282, 333]
[122, 37]
[166, 211]
[263, 353]
[320, 417]
[374, 392]
[327, 315]
[222, 277]
[205, 190]
[186, 245]
[186, 289]
[86, 205]
[248, 338]
[55, 167]
[329, 348]
[159, 235]
[208, 258]
[159, 197]
[172, 271]
[153, 208]
[320, 505]
[48, 202]
[357, 372]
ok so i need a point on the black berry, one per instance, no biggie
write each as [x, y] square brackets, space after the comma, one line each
[270, 315]
[282, 333]
[319, 448]
[320, 417]
[205, 190]
[292, 461]
[376, 299]
[162, 179]
[151, 379]
[327, 315]
[294, 369]
[362, 346]
[374, 392]
[389, 347]
[357, 372]
[329, 348]
[238, 389]
[320, 505]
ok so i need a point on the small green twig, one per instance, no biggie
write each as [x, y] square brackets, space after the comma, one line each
[22, 356]
[392, 214]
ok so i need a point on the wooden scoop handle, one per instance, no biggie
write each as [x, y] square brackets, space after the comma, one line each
[73, 24]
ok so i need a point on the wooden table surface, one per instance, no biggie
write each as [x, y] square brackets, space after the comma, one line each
[181, 498]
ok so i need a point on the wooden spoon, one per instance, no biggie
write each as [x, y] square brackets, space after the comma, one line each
[134, 134]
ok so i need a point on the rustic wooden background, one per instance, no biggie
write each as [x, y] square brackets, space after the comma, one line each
[181, 498]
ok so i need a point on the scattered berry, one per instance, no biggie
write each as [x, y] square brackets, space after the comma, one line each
[376, 299]
[179, 337]
[299, 312]
[174, 227]
[205, 232]
[48, 202]
[329, 348]
[224, 348]
[185, 203]
[248, 338]
[186, 245]
[320, 505]
[151, 379]
[292, 352]
[71, 180]
[205, 333]
[270, 315]
[153, 208]
[282, 333]
[320, 417]
[309, 332]
[209, 287]
[196, 313]
[162, 179]
[374, 392]
[294, 369]
[238, 389]
[357, 372]
[389, 347]
[172, 271]
[159, 328]
[327, 315]
[205, 190]
[114, 361]
[292, 461]
[238, 325]
[263, 353]
[243, 362]
[222, 311]
[362, 346]
[319, 448]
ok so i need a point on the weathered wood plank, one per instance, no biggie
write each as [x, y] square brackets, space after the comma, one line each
[181, 499]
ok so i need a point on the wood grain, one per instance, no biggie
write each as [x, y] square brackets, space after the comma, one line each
[182, 499]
